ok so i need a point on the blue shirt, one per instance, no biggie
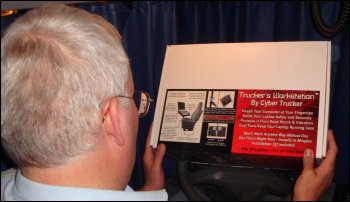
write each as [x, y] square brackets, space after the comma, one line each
[15, 187]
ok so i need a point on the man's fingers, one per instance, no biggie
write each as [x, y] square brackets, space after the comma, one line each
[332, 146]
[308, 160]
[159, 156]
[329, 161]
[151, 157]
[148, 155]
[148, 140]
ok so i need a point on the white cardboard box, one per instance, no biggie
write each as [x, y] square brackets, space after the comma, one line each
[267, 99]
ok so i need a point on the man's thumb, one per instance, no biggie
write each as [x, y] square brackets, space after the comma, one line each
[308, 159]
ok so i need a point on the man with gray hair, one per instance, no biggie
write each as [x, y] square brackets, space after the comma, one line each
[69, 114]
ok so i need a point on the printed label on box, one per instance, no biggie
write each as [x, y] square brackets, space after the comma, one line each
[264, 122]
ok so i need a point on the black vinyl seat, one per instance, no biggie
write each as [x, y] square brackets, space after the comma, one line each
[188, 123]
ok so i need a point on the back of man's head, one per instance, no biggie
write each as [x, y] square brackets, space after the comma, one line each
[58, 64]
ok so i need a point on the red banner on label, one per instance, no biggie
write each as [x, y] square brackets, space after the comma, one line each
[275, 122]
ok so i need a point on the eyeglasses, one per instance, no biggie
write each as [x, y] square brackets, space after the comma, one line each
[142, 101]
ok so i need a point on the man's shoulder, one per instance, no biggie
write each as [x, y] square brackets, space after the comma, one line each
[7, 181]
[8, 175]
[11, 171]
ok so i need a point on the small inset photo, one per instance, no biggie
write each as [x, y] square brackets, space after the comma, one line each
[217, 130]
[220, 99]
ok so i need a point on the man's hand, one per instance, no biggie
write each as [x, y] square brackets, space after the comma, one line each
[312, 182]
[152, 165]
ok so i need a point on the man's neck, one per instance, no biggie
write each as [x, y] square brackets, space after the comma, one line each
[90, 171]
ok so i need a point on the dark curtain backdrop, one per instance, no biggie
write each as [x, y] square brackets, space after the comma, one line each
[148, 27]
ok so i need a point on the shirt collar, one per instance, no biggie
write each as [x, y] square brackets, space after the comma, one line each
[26, 189]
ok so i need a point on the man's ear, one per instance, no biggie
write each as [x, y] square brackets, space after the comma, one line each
[112, 119]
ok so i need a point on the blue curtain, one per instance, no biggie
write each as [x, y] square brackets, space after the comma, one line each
[148, 27]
